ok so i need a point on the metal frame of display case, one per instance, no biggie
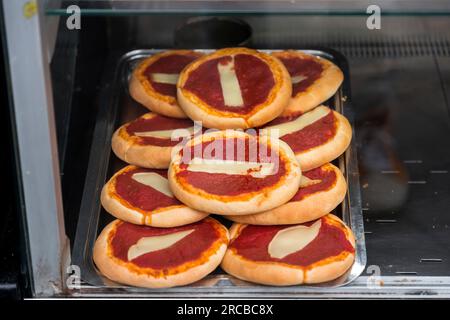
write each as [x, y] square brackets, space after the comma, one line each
[252, 7]
[47, 247]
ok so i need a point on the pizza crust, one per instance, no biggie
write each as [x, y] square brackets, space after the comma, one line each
[145, 156]
[282, 274]
[243, 204]
[138, 93]
[333, 270]
[148, 97]
[173, 216]
[119, 273]
[127, 148]
[310, 208]
[329, 271]
[198, 110]
[327, 152]
[321, 90]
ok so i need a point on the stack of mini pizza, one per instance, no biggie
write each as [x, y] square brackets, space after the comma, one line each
[240, 134]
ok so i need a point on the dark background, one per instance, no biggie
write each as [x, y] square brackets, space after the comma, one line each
[9, 227]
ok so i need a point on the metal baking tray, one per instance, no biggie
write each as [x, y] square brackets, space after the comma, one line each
[116, 108]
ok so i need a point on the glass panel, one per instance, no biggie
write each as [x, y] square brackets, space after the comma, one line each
[206, 7]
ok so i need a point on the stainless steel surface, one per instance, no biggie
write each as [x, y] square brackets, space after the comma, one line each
[393, 287]
[37, 148]
[402, 129]
[401, 97]
[118, 108]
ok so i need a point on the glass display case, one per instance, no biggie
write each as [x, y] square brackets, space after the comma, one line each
[67, 66]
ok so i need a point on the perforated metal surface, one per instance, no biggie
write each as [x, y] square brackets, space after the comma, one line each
[401, 46]
[398, 36]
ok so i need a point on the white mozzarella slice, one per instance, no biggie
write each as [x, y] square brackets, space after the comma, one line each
[172, 133]
[149, 244]
[297, 124]
[155, 181]
[293, 239]
[168, 78]
[231, 167]
[306, 182]
[298, 79]
[231, 90]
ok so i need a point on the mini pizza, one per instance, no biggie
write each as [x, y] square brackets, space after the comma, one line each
[314, 80]
[153, 82]
[321, 191]
[234, 88]
[312, 252]
[151, 257]
[316, 137]
[143, 196]
[232, 173]
[148, 141]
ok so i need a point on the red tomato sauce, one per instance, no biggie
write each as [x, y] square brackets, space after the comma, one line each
[169, 64]
[142, 196]
[226, 184]
[307, 67]
[313, 135]
[253, 243]
[157, 123]
[255, 80]
[187, 249]
[327, 180]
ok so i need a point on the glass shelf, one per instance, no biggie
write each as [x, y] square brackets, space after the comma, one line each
[251, 7]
